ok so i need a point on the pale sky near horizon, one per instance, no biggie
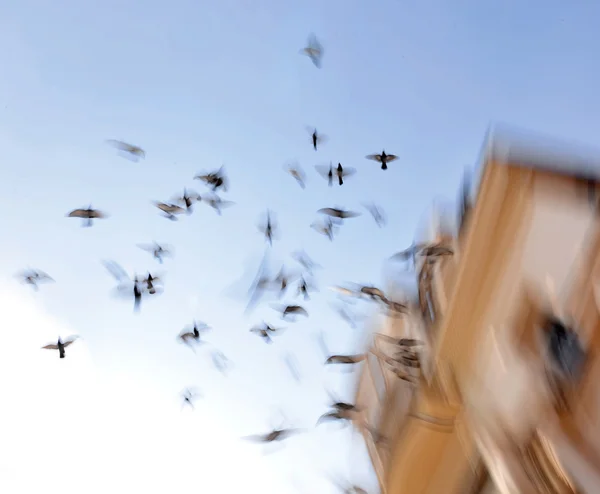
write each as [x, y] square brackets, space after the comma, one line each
[198, 85]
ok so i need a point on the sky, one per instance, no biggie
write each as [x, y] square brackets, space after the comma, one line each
[199, 85]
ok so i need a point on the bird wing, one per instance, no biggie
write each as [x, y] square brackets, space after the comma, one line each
[256, 438]
[78, 213]
[350, 214]
[374, 157]
[44, 276]
[391, 157]
[300, 310]
[323, 170]
[329, 211]
[348, 171]
[123, 146]
[328, 417]
[69, 341]
[116, 270]
[96, 213]
[147, 247]
[52, 346]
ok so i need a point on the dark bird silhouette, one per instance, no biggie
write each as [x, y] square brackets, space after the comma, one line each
[304, 288]
[376, 212]
[191, 334]
[313, 50]
[133, 152]
[158, 251]
[265, 331]
[126, 285]
[275, 435]
[60, 345]
[326, 172]
[33, 277]
[338, 213]
[341, 172]
[269, 227]
[215, 180]
[217, 203]
[382, 158]
[87, 214]
[187, 200]
[149, 282]
[346, 359]
[295, 171]
[189, 396]
[316, 138]
[170, 211]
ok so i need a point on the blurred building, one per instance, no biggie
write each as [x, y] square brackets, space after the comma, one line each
[505, 398]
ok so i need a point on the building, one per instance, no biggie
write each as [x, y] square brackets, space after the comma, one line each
[504, 400]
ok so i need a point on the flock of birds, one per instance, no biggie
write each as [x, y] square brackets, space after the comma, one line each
[404, 360]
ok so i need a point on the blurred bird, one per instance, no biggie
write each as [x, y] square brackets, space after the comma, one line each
[33, 277]
[305, 261]
[313, 50]
[326, 172]
[295, 171]
[291, 310]
[304, 288]
[327, 228]
[60, 345]
[338, 414]
[292, 365]
[87, 214]
[192, 334]
[220, 361]
[341, 172]
[170, 210]
[217, 203]
[126, 284]
[269, 227]
[436, 251]
[134, 152]
[216, 180]
[383, 158]
[315, 137]
[189, 396]
[275, 435]
[149, 281]
[345, 359]
[187, 200]
[376, 212]
[265, 331]
[158, 251]
[409, 254]
[338, 213]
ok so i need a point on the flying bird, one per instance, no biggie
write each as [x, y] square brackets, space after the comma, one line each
[295, 171]
[33, 277]
[275, 435]
[60, 345]
[327, 228]
[313, 50]
[87, 214]
[341, 172]
[192, 335]
[304, 288]
[217, 203]
[345, 359]
[216, 179]
[383, 158]
[436, 251]
[316, 138]
[305, 261]
[220, 361]
[187, 200]
[409, 254]
[376, 212]
[134, 152]
[170, 210]
[291, 310]
[158, 251]
[326, 172]
[338, 213]
[265, 331]
[189, 396]
[269, 228]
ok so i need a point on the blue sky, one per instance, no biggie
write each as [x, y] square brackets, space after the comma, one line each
[200, 84]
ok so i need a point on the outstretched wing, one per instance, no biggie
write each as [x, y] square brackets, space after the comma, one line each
[115, 270]
[323, 170]
[51, 347]
[374, 157]
[69, 341]
[348, 171]
[78, 213]
[96, 213]
[391, 157]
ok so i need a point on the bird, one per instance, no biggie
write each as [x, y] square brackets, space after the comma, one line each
[346, 359]
[304, 288]
[158, 251]
[265, 331]
[376, 212]
[294, 310]
[295, 171]
[87, 214]
[126, 284]
[313, 50]
[316, 138]
[341, 172]
[338, 213]
[134, 152]
[220, 361]
[326, 228]
[60, 345]
[337, 414]
[216, 179]
[189, 335]
[409, 254]
[436, 251]
[269, 228]
[149, 282]
[274, 435]
[187, 200]
[170, 210]
[382, 158]
[217, 203]
[34, 276]
[326, 172]
[305, 261]
[189, 396]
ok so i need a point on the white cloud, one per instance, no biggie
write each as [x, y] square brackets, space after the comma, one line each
[67, 427]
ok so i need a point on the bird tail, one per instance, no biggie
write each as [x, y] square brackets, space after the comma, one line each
[341, 180]
[384, 166]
